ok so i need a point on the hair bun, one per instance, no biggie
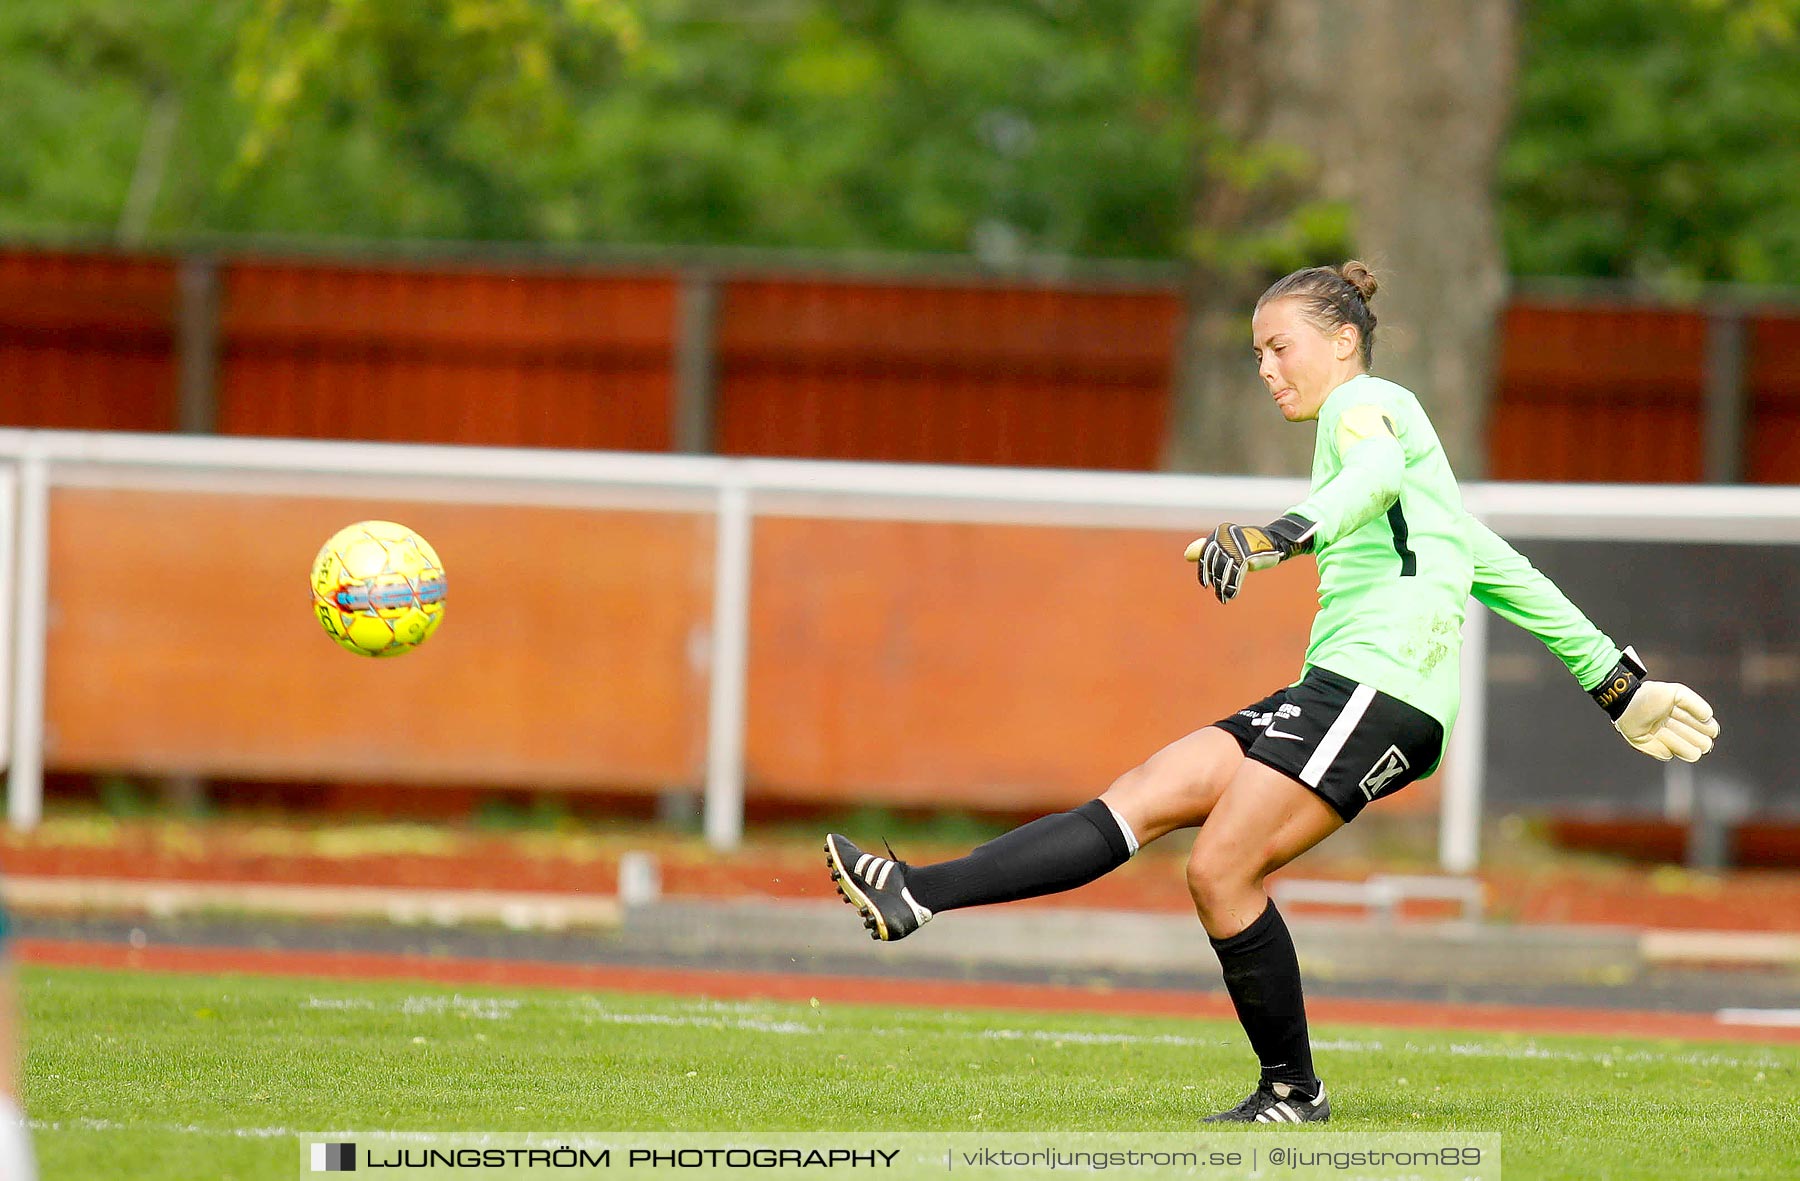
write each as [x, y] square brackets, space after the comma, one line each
[1357, 275]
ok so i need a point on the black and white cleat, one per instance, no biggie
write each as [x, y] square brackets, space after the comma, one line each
[876, 887]
[1277, 1103]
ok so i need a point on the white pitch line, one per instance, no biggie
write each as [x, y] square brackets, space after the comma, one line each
[1528, 1052]
[484, 1008]
[740, 1016]
[748, 1024]
[475, 1139]
[107, 1125]
[1786, 1018]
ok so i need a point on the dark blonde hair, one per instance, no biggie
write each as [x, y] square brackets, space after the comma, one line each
[1331, 297]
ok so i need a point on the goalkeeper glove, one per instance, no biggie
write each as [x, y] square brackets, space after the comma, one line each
[1228, 551]
[1661, 718]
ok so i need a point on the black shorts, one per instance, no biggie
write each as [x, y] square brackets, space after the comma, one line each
[1346, 741]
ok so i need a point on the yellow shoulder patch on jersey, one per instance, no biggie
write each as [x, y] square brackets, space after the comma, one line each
[1367, 421]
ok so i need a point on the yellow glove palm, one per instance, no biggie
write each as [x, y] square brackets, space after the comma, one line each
[1228, 552]
[1668, 720]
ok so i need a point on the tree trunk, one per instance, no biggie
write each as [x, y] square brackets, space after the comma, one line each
[1396, 110]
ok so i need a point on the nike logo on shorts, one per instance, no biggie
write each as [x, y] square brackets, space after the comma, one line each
[1272, 732]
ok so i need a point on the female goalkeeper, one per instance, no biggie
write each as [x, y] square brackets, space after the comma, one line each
[1398, 558]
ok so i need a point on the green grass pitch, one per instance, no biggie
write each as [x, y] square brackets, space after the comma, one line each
[180, 1077]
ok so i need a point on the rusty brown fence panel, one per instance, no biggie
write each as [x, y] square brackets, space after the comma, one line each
[87, 340]
[1021, 375]
[1599, 394]
[181, 642]
[531, 358]
[1773, 389]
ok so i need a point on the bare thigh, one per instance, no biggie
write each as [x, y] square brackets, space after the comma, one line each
[1262, 821]
[1177, 786]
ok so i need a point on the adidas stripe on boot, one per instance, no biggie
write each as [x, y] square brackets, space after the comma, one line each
[876, 887]
[1277, 1103]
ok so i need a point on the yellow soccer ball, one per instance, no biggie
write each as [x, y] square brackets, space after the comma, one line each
[378, 588]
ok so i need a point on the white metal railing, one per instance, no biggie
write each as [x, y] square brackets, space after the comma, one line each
[1383, 894]
[737, 490]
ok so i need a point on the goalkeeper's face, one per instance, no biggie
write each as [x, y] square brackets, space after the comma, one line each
[1299, 364]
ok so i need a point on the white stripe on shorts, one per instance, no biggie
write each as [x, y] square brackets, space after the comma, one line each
[1336, 736]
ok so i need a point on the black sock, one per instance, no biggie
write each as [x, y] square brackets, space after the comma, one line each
[1050, 854]
[1262, 973]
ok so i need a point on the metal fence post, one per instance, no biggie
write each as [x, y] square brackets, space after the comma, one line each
[726, 713]
[1459, 821]
[1723, 424]
[696, 363]
[25, 776]
[9, 581]
[197, 346]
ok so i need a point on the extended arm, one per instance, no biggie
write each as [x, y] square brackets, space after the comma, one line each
[1369, 482]
[1374, 464]
[1515, 590]
[1661, 718]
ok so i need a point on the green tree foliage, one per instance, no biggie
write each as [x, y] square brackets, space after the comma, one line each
[1654, 139]
[469, 102]
[1007, 127]
[79, 86]
[1651, 138]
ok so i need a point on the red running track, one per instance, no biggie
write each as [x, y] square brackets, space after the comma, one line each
[800, 987]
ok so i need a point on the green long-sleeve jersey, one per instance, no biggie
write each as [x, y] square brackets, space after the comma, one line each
[1399, 557]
